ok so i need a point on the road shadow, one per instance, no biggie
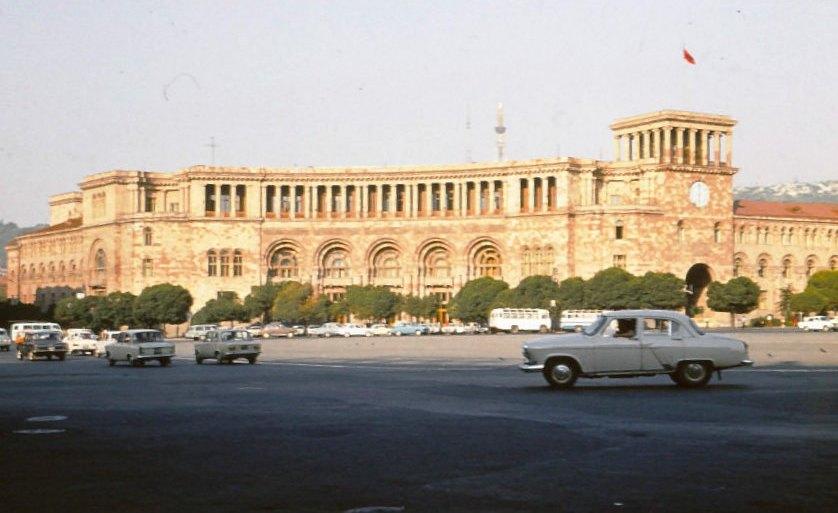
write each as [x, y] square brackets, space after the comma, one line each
[662, 388]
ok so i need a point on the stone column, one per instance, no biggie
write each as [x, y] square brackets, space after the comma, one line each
[443, 198]
[329, 208]
[702, 135]
[359, 192]
[429, 199]
[667, 144]
[657, 144]
[379, 199]
[715, 139]
[729, 148]
[490, 208]
[458, 200]
[412, 200]
[216, 192]
[691, 146]
[531, 195]
[545, 182]
[679, 145]
[617, 149]
[365, 201]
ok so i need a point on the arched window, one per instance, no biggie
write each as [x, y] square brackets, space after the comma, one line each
[52, 270]
[437, 263]
[212, 263]
[336, 264]
[810, 265]
[791, 236]
[62, 269]
[618, 230]
[147, 236]
[72, 267]
[100, 263]
[717, 232]
[680, 231]
[224, 268]
[741, 234]
[386, 264]
[762, 265]
[283, 264]
[786, 267]
[783, 239]
[237, 262]
[737, 266]
[487, 262]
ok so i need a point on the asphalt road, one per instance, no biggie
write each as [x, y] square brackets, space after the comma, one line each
[291, 436]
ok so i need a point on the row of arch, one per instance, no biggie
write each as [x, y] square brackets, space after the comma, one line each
[787, 235]
[787, 265]
[384, 260]
[63, 269]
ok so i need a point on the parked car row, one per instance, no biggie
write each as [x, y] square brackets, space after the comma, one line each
[334, 329]
[818, 323]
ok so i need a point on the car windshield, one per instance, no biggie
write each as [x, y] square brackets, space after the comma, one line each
[46, 336]
[148, 336]
[227, 336]
[593, 328]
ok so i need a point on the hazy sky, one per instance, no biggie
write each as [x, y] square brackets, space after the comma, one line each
[92, 86]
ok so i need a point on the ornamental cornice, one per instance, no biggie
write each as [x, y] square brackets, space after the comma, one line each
[775, 219]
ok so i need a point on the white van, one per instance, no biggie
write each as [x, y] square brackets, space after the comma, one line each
[577, 320]
[23, 326]
[514, 320]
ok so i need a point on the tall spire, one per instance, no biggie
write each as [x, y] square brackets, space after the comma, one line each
[500, 129]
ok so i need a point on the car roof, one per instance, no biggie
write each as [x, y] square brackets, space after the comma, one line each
[666, 314]
[141, 331]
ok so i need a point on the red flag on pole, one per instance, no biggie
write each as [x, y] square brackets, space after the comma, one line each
[688, 57]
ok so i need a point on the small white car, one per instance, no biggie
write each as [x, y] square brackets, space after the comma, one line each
[633, 343]
[226, 345]
[81, 340]
[105, 338]
[351, 330]
[817, 323]
[197, 331]
[379, 330]
[5, 341]
[139, 346]
[326, 330]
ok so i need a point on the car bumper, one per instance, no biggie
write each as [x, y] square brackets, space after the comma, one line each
[153, 356]
[240, 354]
[531, 367]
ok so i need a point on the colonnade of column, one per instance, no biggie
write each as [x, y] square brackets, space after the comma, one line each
[676, 145]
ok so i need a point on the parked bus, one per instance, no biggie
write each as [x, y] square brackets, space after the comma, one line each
[577, 320]
[514, 320]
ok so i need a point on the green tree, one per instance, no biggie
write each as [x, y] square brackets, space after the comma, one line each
[289, 301]
[474, 301]
[227, 307]
[784, 304]
[739, 295]
[571, 293]
[531, 292]
[260, 301]
[162, 304]
[663, 291]
[115, 310]
[338, 309]
[420, 307]
[72, 312]
[13, 311]
[825, 283]
[611, 289]
[808, 301]
[371, 302]
[315, 310]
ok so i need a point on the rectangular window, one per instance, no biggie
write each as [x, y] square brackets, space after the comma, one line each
[225, 263]
[237, 263]
[618, 232]
[619, 261]
[150, 203]
[174, 207]
[147, 268]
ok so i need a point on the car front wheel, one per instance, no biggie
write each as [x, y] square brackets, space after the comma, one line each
[692, 374]
[561, 373]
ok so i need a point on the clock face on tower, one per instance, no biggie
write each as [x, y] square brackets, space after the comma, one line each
[699, 194]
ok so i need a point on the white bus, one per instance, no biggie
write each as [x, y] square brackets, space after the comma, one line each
[577, 320]
[514, 320]
[22, 326]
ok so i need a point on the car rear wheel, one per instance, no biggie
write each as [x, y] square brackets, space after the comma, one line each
[561, 373]
[219, 359]
[693, 374]
[251, 360]
[111, 362]
[513, 329]
[198, 359]
[165, 362]
[61, 357]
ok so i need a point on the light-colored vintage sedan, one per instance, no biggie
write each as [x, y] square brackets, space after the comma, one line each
[139, 346]
[224, 346]
[633, 343]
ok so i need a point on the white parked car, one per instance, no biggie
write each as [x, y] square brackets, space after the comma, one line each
[226, 345]
[631, 343]
[5, 341]
[379, 330]
[197, 331]
[351, 330]
[81, 340]
[817, 323]
[105, 338]
[139, 346]
[326, 330]
[577, 320]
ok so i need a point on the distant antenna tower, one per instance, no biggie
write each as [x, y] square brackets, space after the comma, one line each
[500, 129]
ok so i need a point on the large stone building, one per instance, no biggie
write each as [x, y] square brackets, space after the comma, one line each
[664, 203]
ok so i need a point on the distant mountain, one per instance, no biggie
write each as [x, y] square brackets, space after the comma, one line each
[803, 192]
[9, 231]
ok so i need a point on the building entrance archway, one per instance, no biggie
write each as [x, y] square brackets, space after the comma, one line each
[699, 276]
